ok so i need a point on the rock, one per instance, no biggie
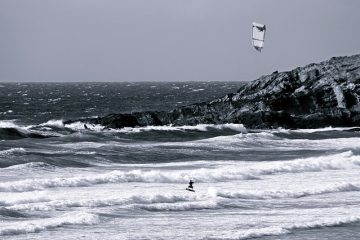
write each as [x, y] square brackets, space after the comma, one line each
[317, 95]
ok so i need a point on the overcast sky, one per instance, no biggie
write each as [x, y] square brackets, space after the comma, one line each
[169, 40]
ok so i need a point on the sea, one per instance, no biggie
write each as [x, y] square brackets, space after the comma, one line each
[70, 182]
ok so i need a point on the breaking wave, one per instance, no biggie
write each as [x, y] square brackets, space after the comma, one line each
[12, 151]
[340, 187]
[213, 199]
[200, 127]
[146, 199]
[167, 128]
[15, 133]
[30, 165]
[344, 160]
[53, 123]
[326, 129]
[23, 227]
[181, 206]
[121, 176]
[10, 130]
[24, 198]
[286, 228]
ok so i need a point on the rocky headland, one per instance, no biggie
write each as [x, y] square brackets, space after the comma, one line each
[314, 96]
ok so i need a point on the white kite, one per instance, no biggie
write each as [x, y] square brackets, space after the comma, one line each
[258, 35]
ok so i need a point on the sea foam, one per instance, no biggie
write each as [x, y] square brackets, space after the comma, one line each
[285, 228]
[259, 194]
[346, 160]
[167, 128]
[11, 151]
[23, 227]
[144, 199]
[176, 201]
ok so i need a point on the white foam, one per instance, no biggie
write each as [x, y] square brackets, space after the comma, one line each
[181, 206]
[30, 165]
[176, 201]
[23, 227]
[227, 141]
[197, 90]
[8, 124]
[313, 130]
[81, 126]
[203, 175]
[251, 233]
[344, 160]
[53, 123]
[286, 228]
[12, 151]
[28, 128]
[200, 127]
[24, 198]
[144, 199]
[13, 124]
[259, 194]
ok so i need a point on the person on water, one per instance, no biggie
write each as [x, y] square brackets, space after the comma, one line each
[191, 185]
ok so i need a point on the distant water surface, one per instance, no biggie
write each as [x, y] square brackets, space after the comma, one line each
[40, 102]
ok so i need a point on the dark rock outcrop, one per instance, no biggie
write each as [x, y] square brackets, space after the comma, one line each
[317, 95]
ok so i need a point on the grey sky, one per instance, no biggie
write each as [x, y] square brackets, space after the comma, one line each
[169, 40]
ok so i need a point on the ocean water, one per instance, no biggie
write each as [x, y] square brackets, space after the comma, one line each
[66, 182]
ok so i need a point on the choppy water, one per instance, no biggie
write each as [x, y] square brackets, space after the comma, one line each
[67, 182]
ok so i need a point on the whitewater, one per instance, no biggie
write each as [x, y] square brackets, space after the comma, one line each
[65, 181]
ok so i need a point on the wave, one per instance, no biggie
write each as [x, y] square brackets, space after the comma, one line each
[155, 202]
[12, 151]
[14, 133]
[24, 227]
[122, 176]
[212, 132]
[339, 187]
[10, 130]
[20, 164]
[211, 199]
[314, 130]
[11, 213]
[58, 123]
[80, 126]
[200, 127]
[14, 124]
[167, 128]
[184, 201]
[227, 141]
[326, 129]
[30, 165]
[286, 228]
[346, 160]
[145, 199]
[8, 124]
[251, 233]
[181, 206]
[24, 198]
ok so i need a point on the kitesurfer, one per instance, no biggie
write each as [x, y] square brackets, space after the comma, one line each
[191, 185]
